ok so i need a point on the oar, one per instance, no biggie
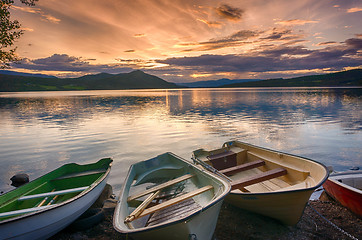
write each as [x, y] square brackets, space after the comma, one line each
[52, 201]
[141, 207]
[44, 200]
[211, 169]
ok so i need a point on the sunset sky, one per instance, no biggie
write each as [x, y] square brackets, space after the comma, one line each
[190, 40]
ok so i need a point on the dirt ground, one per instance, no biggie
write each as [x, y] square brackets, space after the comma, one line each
[234, 223]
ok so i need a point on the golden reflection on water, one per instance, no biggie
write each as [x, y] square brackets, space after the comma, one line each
[43, 130]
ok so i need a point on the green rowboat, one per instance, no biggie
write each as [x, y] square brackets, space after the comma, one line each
[43, 207]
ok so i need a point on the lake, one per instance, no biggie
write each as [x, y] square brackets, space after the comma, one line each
[41, 131]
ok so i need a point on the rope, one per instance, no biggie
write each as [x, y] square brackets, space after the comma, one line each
[334, 225]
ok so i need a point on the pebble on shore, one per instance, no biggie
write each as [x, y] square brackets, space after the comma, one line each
[235, 223]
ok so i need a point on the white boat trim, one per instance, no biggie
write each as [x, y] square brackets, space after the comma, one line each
[62, 192]
[22, 211]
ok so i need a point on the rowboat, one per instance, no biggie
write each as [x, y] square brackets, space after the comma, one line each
[346, 188]
[167, 197]
[46, 205]
[265, 181]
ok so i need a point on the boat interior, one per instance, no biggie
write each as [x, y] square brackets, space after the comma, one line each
[49, 190]
[354, 180]
[165, 189]
[257, 170]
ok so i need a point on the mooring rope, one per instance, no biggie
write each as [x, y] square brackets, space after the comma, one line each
[334, 225]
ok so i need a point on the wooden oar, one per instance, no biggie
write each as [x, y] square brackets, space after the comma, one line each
[141, 207]
[161, 186]
[44, 200]
[52, 201]
[174, 201]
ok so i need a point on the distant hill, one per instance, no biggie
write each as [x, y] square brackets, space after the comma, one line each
[215, 83]
[140, 80]
[7, 72]
[339, 79]
[103, 81]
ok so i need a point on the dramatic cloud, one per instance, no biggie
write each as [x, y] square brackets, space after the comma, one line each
[188, 38]
[281, 58]
[234, 40]
[65, 63]
[230, 13]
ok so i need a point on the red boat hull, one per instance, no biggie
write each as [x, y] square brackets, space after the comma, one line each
[343, 194]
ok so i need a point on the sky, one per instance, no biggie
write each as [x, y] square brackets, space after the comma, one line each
[190, 40]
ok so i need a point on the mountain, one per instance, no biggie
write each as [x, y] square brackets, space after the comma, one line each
[98, 76]
[215, 83]
[133, 80]
[7, 72]
[338, 79]
[103, 81]
[140, 80]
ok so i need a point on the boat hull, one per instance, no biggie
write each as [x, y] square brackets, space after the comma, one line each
[49, 220]
[348, 196]
[48, 223]
[286, 207]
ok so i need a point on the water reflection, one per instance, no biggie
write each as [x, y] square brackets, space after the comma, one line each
[42, 130]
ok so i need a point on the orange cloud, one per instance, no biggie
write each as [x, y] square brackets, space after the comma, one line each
[295, 22]
[44, 16]
[353, 10]
[211, 23]
[230, 13]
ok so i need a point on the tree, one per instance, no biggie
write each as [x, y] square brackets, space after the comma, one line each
[9, 32]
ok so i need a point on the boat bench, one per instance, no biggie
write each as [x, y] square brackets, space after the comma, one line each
[243, 167]
[39, 206]
[174, 212]
[53, 193]
[175, 200]
[223, 160]
[264, 176]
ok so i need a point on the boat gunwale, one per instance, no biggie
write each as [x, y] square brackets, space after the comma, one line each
[172, 222]
[334, 179]
[55, 206]
[287, 154]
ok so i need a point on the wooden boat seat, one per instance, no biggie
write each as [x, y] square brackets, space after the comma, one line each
[159, 187]
[174, 212]
[53, 193]
[80, 174]
[174, 201]
[223, 160]
[274, 173]
[242, 167]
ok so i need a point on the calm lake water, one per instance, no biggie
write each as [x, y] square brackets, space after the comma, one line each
[41, 131]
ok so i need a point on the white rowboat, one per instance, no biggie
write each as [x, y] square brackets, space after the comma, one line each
[167, 197]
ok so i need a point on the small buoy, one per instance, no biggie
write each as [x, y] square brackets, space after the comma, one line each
[354, 168]
[19, 179]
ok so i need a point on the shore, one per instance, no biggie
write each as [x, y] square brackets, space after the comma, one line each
[234, 223]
